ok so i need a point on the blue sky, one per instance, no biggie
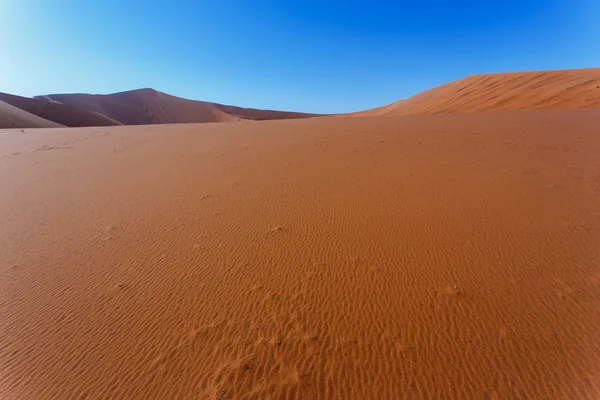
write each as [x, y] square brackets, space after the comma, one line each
[315, 56]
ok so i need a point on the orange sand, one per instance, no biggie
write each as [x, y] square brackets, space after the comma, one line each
[445, 256]
[565, 89]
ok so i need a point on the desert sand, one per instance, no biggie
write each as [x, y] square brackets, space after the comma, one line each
[149, 106]
[437, 256]
[13, 117]
[568, 89]
[58, 113]
[538, 90]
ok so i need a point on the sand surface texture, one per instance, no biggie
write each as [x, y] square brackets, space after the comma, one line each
[438, 257]
[565, 89]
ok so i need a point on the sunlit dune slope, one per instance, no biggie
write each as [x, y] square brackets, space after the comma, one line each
[567, 89]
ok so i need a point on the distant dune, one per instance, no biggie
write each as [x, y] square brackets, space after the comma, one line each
[14, 117]
[260, 115]
[569, 89]
[59, 113]
[148, 106]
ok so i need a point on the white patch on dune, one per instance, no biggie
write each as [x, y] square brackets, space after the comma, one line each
[48, 99]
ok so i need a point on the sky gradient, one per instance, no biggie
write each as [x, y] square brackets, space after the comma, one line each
[307, 56]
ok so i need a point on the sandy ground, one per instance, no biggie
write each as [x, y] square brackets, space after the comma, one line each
[442, 257]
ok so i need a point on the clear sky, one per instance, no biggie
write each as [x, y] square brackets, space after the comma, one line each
[316, 56]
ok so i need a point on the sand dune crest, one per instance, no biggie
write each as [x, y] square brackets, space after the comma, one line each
[567, 89]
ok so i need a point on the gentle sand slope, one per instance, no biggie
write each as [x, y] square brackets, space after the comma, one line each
[58, 113]
[13, 117]
[565, 89]
[450, 257]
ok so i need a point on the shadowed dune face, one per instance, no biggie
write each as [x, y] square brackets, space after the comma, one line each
[445, 256]
[145, 106]
[59, 113]
[148, 106]
[261, 115]
[574, 89]
[13, 117]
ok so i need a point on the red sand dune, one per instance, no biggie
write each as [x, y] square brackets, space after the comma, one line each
[418, 257]
[59, 113]
[569, 89]
[148, 106]
[13, 117]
